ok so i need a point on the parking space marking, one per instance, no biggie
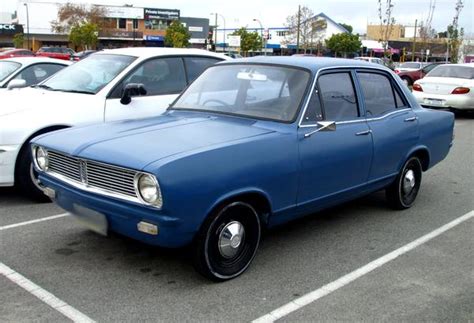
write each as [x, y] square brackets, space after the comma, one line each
[53, 217]
[349, 278]
[45, 296]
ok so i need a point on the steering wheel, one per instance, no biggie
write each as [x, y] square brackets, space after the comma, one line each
[216, 101]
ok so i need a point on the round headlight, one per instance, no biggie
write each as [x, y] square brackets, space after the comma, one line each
[149, 190]
[41, 156]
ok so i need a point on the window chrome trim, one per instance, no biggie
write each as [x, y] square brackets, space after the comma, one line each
[374, 68]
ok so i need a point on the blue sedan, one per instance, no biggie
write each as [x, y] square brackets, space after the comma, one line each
[251, 144]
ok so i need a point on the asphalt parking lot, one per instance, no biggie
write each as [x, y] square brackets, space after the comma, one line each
[116, 279]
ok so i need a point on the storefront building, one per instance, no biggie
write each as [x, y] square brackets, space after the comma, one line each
[7, 32]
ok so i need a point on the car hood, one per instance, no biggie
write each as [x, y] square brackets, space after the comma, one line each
[137, 143]
[24, 99]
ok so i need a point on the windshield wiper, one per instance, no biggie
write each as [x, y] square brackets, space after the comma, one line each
[77, 91]
[42, 86]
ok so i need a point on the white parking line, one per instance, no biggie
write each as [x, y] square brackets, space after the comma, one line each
[347, 279]
[11, 226]
[44, 295]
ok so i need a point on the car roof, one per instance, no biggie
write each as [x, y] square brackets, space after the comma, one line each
[34, 60]
[147, 52]
[312, 63]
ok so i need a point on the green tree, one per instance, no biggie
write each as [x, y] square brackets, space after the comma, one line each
[84, 35]
[177, 35]
[348, 27]
[18, 40]
[343, 43]
[248, 40]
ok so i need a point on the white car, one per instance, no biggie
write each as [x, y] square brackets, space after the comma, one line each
[110, 85]
[374, 60]
[447, 86]
[410, 66]
[18, 72]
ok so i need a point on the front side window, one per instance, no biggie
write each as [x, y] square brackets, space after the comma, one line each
[7, 68]
[159, 76]
[338, 96]
[258, 91]
[379, 96]
[314, 111]
[196, 65]
[89, 75]
[37, 73]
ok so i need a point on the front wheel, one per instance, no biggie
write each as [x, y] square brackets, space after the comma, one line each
[401, 194]
[27, 178]
[227, 242]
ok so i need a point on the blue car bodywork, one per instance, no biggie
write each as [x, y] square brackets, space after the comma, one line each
[202, 159]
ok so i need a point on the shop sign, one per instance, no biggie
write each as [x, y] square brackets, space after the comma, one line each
[10, 29]
[166, 14]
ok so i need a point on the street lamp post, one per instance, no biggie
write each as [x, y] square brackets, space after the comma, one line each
[223, 19]
[27, 26]
[261, 33]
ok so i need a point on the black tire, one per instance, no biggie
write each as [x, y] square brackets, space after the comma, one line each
[407, 81]
[209, 254]
[24, 174]
[401, 194]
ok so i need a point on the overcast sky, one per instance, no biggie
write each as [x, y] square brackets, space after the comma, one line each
[273, 13]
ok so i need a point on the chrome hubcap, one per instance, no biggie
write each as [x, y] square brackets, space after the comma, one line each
[409, 181]
[231, 239]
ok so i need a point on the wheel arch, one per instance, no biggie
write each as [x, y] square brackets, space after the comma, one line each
[423, 154]
[36, 133]
[256, 198]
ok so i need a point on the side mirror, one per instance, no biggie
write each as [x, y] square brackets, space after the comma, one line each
[322, 126]
[16, 84]
[130, 90]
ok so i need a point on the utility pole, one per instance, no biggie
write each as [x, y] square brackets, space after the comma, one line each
[215, 34]
[298, 31]
[27, 25]
[414, 42]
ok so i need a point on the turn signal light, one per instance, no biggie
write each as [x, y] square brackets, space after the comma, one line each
[417, 87]
[397, 71]
[461, 90]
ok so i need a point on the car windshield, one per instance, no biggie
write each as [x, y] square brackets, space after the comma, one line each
[462, 72]
[90, 75]
[7, 68]
[410, 65]
[258, 91]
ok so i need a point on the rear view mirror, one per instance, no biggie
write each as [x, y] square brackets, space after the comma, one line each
[16, 84]
[322, 126]
[130, 90]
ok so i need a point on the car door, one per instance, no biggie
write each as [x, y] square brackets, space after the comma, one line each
[393, 124]
[163, 79]
[334, 164]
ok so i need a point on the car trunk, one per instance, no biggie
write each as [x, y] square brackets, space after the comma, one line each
[440, 85]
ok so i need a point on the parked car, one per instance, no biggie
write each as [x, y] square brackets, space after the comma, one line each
[81, 55]
[410, 76]
[374, 60]
[56, 52]
[16, 53]
[21, 72]
[233, 55]
[409, 66]
[250, 144]
[447, 86]
[97, 89]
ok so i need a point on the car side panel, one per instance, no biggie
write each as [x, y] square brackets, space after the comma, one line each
[436, 133]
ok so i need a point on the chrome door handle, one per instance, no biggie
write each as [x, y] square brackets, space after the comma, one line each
[411, 119]
[364, 133]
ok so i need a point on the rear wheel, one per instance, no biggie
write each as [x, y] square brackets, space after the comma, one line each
[407, 81]
[227, 242]
[401, 194]
[27, 178]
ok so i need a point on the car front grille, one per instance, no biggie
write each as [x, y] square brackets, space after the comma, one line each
[92, 174]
